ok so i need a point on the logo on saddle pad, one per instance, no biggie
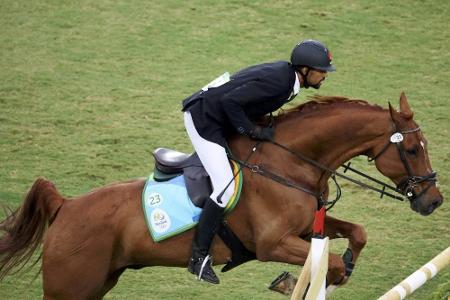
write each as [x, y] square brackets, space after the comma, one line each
[160, 220]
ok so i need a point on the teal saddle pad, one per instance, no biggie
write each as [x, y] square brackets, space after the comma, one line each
[167, 208]
[169, 211]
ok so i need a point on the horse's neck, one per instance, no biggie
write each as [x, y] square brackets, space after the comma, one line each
[337, 137]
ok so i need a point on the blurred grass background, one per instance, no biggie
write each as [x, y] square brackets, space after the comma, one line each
[89, 88]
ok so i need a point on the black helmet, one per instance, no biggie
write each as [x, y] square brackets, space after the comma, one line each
[312, 54]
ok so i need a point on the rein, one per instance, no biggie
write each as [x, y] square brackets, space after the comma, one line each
[261, 170]
[341, 175]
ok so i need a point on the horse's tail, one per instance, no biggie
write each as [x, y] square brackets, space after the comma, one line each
[23, 229]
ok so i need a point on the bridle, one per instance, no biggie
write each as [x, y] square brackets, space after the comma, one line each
[408, 184]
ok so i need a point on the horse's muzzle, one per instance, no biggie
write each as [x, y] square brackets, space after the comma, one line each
[428, 208]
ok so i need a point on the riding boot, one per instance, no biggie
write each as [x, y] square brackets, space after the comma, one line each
[200, 264]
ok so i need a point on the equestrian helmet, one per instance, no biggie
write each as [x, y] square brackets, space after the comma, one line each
[313, 54]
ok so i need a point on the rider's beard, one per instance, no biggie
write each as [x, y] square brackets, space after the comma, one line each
[317, 85]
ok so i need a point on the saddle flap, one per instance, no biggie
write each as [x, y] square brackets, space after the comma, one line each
[198, 184]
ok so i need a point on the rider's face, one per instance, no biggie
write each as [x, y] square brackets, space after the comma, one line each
[316, 77]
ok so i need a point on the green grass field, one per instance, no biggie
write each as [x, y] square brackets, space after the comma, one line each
[89, 88]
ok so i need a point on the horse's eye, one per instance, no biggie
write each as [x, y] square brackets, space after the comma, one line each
[412, 151]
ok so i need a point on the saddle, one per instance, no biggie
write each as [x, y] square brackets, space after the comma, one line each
[170, 164]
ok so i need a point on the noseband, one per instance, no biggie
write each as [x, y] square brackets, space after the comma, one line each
[408, 184]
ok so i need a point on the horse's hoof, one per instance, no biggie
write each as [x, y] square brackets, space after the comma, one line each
[284, 284]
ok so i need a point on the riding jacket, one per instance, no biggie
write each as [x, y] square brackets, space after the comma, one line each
[251, 93]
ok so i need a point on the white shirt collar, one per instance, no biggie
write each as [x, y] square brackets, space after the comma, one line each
[296, 85]
[295, 89]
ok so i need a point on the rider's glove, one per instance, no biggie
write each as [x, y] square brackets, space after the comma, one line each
[262, 133]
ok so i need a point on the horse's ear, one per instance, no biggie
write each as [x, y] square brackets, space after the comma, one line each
[405, 109]
[392, 111]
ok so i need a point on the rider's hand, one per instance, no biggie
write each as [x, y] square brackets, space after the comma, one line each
[262, 133]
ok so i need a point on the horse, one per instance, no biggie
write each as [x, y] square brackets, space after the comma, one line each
[89, 241]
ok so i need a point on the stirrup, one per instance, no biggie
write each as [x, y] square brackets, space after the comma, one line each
[199, 267]
[205, 261]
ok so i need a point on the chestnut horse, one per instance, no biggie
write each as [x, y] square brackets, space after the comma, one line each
[92, 239]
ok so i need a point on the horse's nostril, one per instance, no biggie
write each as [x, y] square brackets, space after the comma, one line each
[436, 203]
[431, 207]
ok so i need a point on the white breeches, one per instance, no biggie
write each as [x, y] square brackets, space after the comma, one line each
[215, 161]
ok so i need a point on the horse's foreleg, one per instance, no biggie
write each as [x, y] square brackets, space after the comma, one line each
[110, 282]
[293, 250]
[357, 239]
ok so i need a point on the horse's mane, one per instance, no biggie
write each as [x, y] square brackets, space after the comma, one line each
[320, 103]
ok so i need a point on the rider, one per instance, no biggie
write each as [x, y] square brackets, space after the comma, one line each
[215, 112]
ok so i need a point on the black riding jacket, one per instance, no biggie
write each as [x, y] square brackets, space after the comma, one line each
[251, 93]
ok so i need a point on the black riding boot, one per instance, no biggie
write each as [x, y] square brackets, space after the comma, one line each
[200, 263]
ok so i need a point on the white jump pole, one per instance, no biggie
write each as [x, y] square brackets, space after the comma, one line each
[319, 268]
[419, 277]
[314, 271]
